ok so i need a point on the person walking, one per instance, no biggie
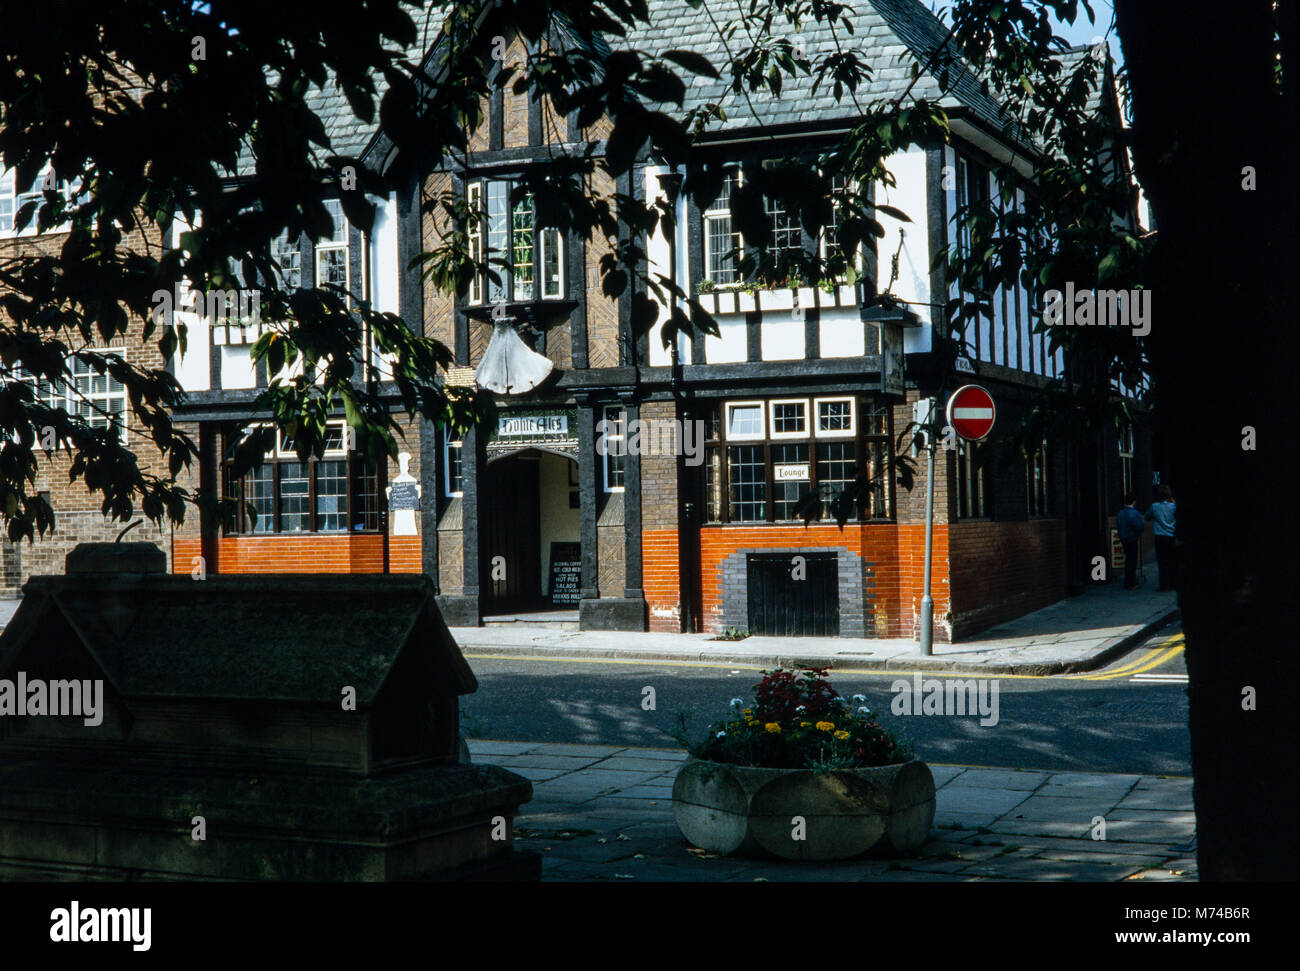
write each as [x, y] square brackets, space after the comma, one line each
[1162, 514]
[1131, 526]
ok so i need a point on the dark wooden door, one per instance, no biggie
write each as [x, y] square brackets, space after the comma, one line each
[512, 520]
[782, 606]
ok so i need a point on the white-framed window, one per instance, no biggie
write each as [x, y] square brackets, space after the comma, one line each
[98, 398]
[534, 256]
[829, 243]
[745, 421]
[95, 397]
[721, 242]
[474, 229]
[615, 432]
[335, 441]
[783, 470]
[789, 417]
[332, 252]
[288, 257]
[551, 261]
[13, 197]
[836, 418]
[1036, 482]
[453, 469]
[1126, 451]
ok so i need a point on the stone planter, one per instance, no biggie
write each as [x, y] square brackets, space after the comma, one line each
[845, 814]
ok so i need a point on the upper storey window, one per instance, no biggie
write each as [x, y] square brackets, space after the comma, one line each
[14, 196]
[724, 244]
[500, 232]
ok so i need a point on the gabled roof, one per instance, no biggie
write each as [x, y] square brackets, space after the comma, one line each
[889, 35]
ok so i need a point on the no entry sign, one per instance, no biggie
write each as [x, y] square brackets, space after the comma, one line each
[971, 412]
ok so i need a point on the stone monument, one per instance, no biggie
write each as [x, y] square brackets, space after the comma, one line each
[240, 728]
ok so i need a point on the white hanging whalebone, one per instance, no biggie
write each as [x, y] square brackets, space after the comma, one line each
[510, 366]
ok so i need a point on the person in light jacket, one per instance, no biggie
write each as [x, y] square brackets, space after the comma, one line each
[1162, 514]
[1130, 526]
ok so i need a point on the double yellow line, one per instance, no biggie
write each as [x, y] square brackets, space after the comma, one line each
[1153, 658]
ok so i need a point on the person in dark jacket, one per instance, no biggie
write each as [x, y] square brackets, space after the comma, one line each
[1162, 514]
[1131, 526]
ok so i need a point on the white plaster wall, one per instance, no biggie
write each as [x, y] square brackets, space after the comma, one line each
[193, 367]
[781, 336]
[913, 284]
[843, 333]
[385, 271]
[731, 344]
[657, 259]
[237, 369]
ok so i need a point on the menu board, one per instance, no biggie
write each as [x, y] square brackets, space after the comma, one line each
[566, 574]
[403, 496]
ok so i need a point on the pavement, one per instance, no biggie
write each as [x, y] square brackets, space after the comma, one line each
[604, 813]
[1080, 633]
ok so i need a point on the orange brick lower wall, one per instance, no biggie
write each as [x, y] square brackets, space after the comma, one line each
[894, 572]
[303, 554]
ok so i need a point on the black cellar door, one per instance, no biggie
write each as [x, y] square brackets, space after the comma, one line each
[782, 606]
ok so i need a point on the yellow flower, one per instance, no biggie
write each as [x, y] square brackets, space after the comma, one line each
[825, 726]
[841, 735]
[805, 724]
[747, 711]
[773, 727]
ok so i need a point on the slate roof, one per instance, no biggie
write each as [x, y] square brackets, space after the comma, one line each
[888, 34]
[348, 134]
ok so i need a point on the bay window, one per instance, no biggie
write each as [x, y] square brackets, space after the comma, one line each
[765, 459]
[500, 231]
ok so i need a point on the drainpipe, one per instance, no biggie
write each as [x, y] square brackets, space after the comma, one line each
[371, 383]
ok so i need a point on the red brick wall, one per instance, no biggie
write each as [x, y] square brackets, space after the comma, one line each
[896, 554]
[304, 554]
[1002, 570]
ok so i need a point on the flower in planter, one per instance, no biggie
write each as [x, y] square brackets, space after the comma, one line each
[797, 720]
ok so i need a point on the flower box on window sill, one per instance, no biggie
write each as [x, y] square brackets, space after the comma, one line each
[736, 299]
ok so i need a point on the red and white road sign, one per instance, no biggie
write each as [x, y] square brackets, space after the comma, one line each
[971, 412]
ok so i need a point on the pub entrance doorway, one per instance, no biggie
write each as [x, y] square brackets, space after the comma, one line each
[533, 538]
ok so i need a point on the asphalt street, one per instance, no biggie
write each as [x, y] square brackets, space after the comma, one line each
[1128, 717]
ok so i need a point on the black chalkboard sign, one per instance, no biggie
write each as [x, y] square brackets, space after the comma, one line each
[403, 496]
[566, 574]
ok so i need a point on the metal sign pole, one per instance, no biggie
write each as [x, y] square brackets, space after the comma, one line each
[927, 602]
